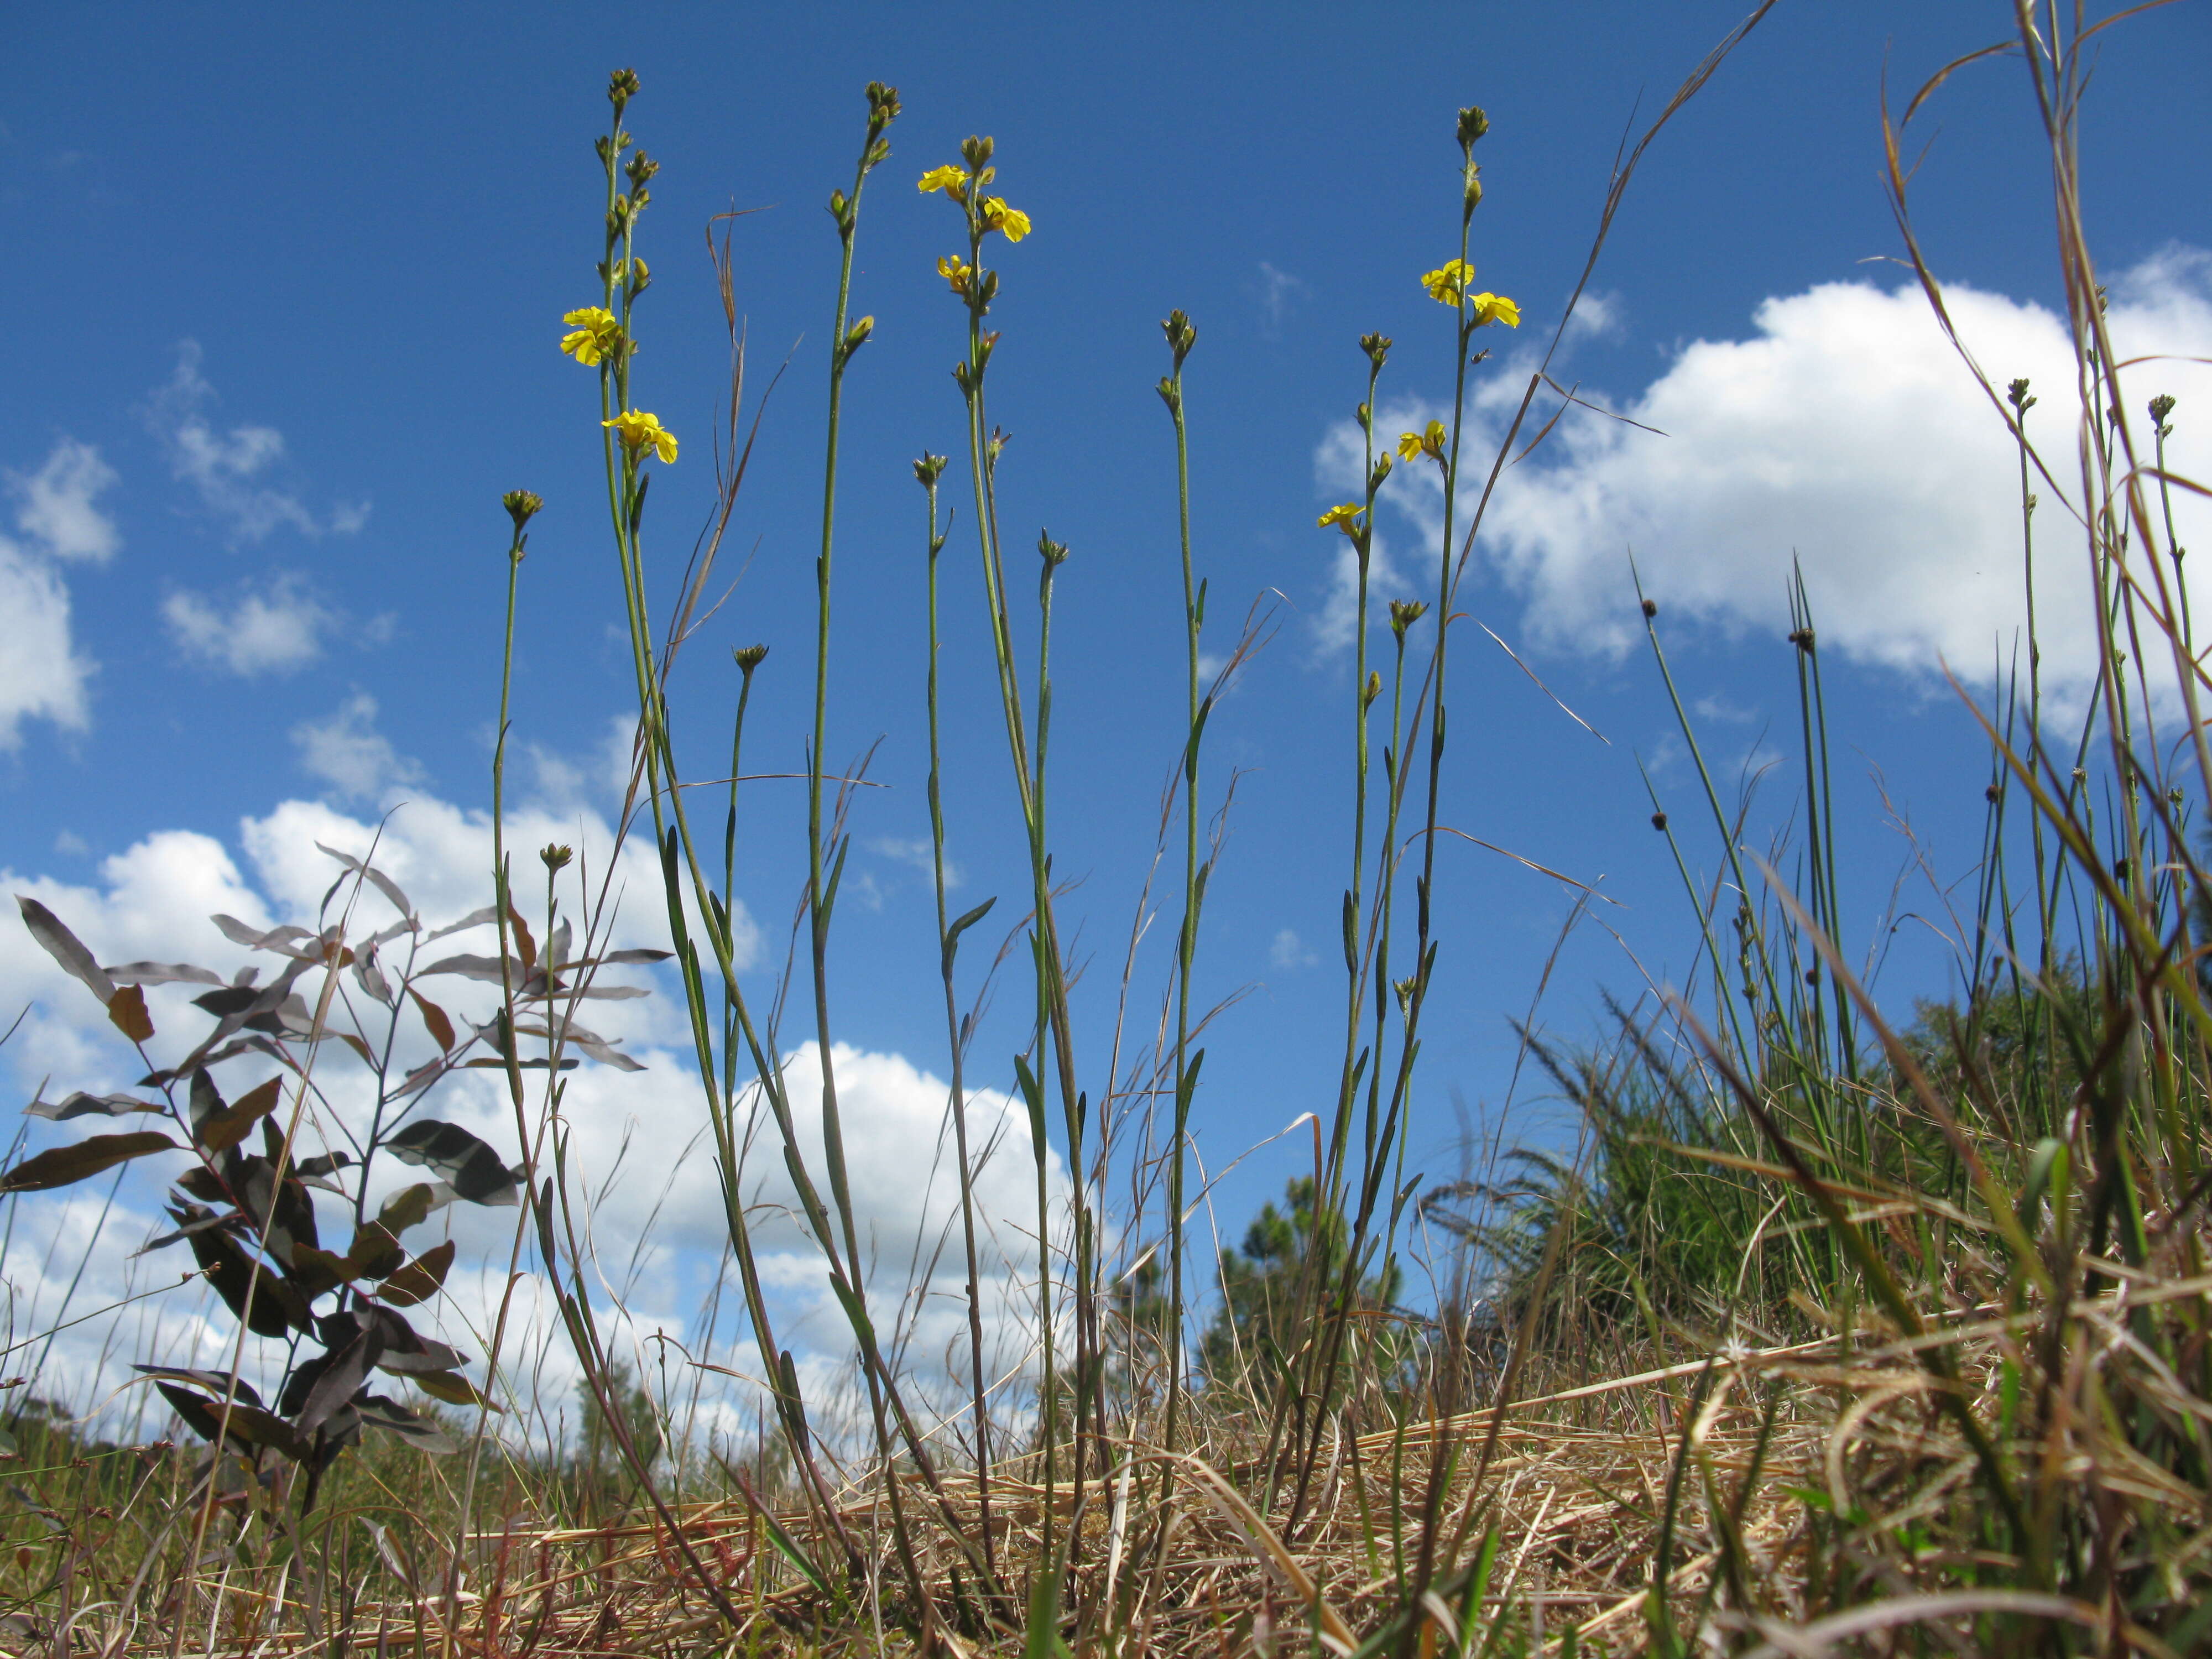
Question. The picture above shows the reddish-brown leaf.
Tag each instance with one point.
(64, 1165)
(222, 1130)
(434, 1020)
(420, 1280)
(126, 1012)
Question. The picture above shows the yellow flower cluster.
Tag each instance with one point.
(959, 272)
(639, 431)
(594, 334)
(1344, 518)
(1430, 443)
(1448, 282)
(1011, 222)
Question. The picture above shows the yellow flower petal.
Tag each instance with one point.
(1448, 282)
(1495, 309)
(957, 272)
(1013, 222)
(640, 430)
(1344, 518)
(1409, 445)
(594, 332)
(952, 180)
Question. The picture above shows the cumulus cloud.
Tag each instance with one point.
(346, 751)
(260, 633)
(649, 1199)
(1844, 432)
(42, 675)
(59, 504)
(1287, 950)
(232, 473)
(660, 1212)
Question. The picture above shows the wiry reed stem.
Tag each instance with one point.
(1180, 337)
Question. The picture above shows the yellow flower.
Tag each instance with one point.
(1494, 308)
(1429, 442)
(1344, 518)
(639, 431)
(1446, 283)
(997, 216)
(957, 272)
(950, 180)
(594, 333)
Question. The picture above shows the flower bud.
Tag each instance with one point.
(1404, 613)
(928, 470)
(622, 87)
(2160, 407)
(1377, 346)
(640, 168)
(749, 657)
(1371, 691)
(555, 857)
(883, 106)
(1180, 336)
(857, 335)
(522, 506)
(976, 152)
(2016, 395)
(1473, 124)
(1053, 553)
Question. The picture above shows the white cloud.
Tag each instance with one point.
(1288, 951)
(599, 776)
(1847, 433)
(274, 632)
(919, 853)
(59, 503)
(232, 471)
(1278, 293)
(1596, 317)
(346, 751)
(42, 675)
(655, 1219)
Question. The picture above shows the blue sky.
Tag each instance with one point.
(293, 277)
